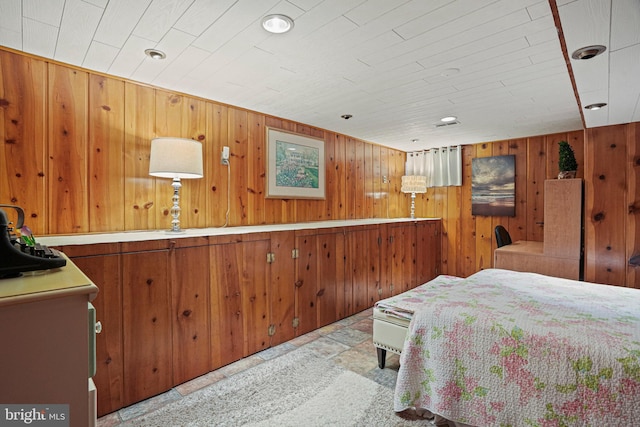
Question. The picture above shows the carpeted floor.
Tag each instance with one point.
(326, 377)
(300, 388)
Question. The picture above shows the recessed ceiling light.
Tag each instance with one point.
(596, 106)
(415, 140)
(346, 116)
(588, 52)
(155, 54)
(277, 24)
(448, 119)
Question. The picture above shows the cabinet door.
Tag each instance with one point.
(190, 312)
(428, 251)
(104, 272)
(147, 324)
(254, 290)
(330, 282)
(306, 282)
(282, 287)
(226, 304)
(240, 315)
(363, 266)
(402, 246)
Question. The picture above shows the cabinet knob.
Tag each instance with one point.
(98, 327)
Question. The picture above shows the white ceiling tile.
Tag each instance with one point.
(512, 82)
(625, 84)
(38, 38)
(373, 9)
(11, 39)
(159, 18)
(11, 15)
(539, 10)
(201, 14)
(76, 31)
(437, 14)
(240, 16)
(588, 25)
(172, 44)
(100, 3)
(189, 59)
(118, 21)
(306, 4)
(47, 12)
(100, 57)
(625, 14)
(130, 57)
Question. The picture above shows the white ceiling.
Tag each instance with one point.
(397, 66)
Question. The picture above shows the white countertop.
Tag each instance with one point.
(137, 236)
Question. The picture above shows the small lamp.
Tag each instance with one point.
(175, 158)
(413, 184)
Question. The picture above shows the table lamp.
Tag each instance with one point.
(413, 184)
(175, 158)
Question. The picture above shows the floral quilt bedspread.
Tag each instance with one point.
(405, 304)
(504, 348)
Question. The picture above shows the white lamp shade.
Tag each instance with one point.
(175, 158)
(414, 184)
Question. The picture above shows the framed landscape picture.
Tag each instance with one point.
(493, 186)
(295, 166)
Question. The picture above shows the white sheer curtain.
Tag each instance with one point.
(442, 166)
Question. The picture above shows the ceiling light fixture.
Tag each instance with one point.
(588, 52)
(414, 140)
(155, 54)
(277, 24)
(596, 106)
(448, 119)
(346, 116)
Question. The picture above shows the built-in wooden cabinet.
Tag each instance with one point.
(560, 254)
(147, 322)
(189, 267)
(102, 263)
(176, 308)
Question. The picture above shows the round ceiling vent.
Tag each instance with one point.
(588, 52)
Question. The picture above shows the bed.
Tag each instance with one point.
(505, 348)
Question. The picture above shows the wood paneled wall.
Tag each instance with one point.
(76, 151)
(76, 156)
(608, 161)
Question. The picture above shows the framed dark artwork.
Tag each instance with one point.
(295, 166)
(493, 186)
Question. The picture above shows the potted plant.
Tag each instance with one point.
(567, 161)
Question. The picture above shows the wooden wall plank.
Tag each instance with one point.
(67, 146)
(256, 169)
(140, 204)
(517, 225)
(360, 176)
(350, 178)
(484, 229)
(106, 154)
(369, 204)
(606, 210)
(384, 182)
(238, 143)
(468, 221)
(23, 172)
(633, 203)
(536, 174)
(215, 174)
